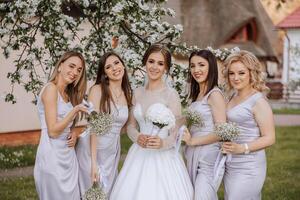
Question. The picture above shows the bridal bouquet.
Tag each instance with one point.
(96, 192)
(98, 123)
(160, 116)
(227, 131)
(193, 118)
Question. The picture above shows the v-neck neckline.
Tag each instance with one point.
(242, 102)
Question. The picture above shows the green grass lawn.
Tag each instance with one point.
(21, 156)
(282, 177)
(289, 111)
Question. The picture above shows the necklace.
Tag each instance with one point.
(116, 96)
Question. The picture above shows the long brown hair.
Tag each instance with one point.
(159, 48)
(212, 76)
(77, 89)
(106, 97)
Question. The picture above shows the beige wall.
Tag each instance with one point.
(23, 115)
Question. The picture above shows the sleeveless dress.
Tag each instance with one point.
(201, 159)
(149, 174)
(245, 174)
(56, 166)
(108, 153)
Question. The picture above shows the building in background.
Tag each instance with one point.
(291, 54)
(231, 23)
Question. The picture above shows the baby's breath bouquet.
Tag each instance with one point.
(96, 192)
(193, 118)
(160, 116)
(227, 131)
(98, 123)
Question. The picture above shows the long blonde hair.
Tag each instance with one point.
(253, 65)
(77, 89)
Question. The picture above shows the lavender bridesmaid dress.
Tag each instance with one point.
(56, 167)
(108, 153)
(245, 174)
(201, 159)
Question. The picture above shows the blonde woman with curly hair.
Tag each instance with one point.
(245, 173)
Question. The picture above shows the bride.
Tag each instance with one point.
(152, 169)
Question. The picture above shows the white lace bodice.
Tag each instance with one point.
(142, 100)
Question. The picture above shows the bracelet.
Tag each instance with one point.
(247, 150)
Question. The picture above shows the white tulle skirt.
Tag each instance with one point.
(149, 174)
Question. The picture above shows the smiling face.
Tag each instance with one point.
(113, 68)
(155, 66)
(199, 69)
(239, 75)
(71, 69)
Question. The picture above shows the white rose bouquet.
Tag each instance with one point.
(160, 116)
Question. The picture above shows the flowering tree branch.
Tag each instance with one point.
(39, 31)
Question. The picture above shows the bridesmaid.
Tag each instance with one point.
(246, 172)
(100, 154)
(203, 146)
(56, 167)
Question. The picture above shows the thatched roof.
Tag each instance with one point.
(214, 22)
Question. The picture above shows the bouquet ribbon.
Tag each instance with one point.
(219, 164)
(103, 178)
(179, 138)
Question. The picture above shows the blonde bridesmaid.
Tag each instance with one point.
(245, 173)
(59, 103)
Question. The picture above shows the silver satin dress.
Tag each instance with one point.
(56, 166)
(201, 159)
(245, 174)
(108, 153)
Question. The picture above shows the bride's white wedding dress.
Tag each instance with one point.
(153, 174)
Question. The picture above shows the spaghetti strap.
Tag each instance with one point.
(43, 88)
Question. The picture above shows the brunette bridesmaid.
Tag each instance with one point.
(99, 156)
(203, 147)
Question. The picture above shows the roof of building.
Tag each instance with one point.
(291, 21)
(214, 22)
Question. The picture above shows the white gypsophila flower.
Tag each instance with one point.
(228, 131)
(193, 118)
(96, 192)
(100, 123)
(160, 116)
